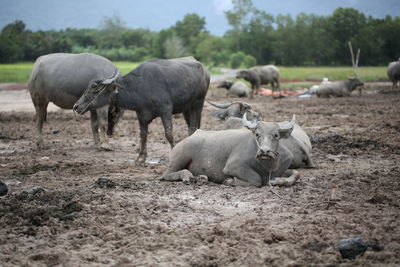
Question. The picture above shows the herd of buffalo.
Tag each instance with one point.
(246, 151)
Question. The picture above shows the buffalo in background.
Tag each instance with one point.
(393, 72)
(259, 75)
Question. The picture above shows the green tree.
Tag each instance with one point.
(137, 38)
(159, 42)
(191, 27)
(213, 50)
(389, 31)
(238, 18)
(258, 37)
(174, 47)
(110, 35)
(81, 37)
(241, 60)
(37, 46)
(9, 50)
(346, 24)
(12, 40)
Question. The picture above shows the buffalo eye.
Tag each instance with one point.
(276, 135)
(257, 135)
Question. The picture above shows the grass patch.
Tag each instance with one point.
(125, 66)
(15, 73)
(19, 72)
(332, 73)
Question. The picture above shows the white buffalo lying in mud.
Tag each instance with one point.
(237, 88)
(250, 156)
(300, 143)
(339, 88)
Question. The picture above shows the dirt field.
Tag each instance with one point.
(353, 192)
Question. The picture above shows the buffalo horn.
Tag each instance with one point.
(110, 80)
(249, 124)
(226, 105)
(246, 105)
(288, 125)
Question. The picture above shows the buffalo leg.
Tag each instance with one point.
(102, 121)
(41, 114)
(167, 123)
(277, 86)
(243, 176)
(254, 90)
(94, 124)
(193, 119)
(198, 117)
(288, 178)
(144, 127)
(186, 115)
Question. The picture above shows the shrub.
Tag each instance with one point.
(236, 59)
(241, 60)
(249, 61)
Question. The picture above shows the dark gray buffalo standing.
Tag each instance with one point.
(393, 72)
(61, 79)
(339, 88)
(251, 157)
(156, 88)
(261, 75)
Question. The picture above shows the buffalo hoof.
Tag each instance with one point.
(183, 175)
(201, 179)
(288, 179)
(141, 159)
(229, 182)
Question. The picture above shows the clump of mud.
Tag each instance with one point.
(35, 209)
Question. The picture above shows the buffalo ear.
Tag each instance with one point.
(285, 133)
(286, 128)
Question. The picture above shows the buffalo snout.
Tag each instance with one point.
(266, 154)
(78, 108)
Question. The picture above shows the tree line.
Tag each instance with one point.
(254, 37)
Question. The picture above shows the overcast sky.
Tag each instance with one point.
(161, 14)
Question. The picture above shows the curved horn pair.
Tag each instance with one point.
(110, 80)
(282, 125)
(226, 105)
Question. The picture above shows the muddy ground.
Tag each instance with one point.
(141, 221)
